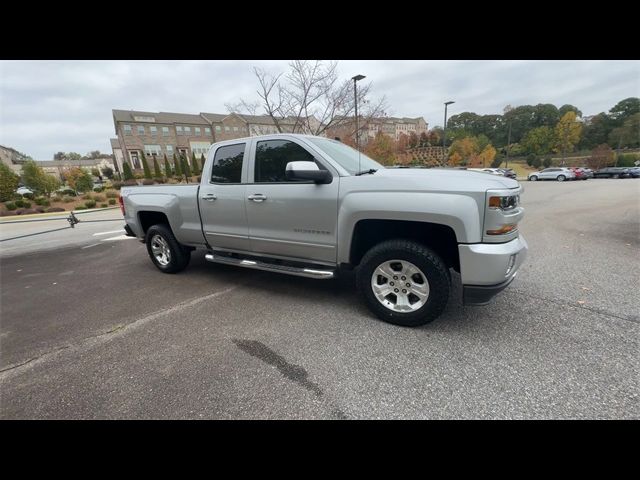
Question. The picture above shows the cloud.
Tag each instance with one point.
(48, 106)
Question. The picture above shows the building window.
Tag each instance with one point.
(127, 129)
(218, 128)
(179, 130)
(200, 148)
(169, 150)
(165, 131)
(153, 130)
(152, 150)
(227, 164)
(207, 131)
(235, 129)
(140, 129)
(197, 131)
(187, 130)
(227, 129)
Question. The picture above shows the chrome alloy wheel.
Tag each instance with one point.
(400, 286)
(160, 249)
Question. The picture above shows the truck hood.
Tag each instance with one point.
(443, 179)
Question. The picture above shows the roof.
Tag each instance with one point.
(258, 119)
(160, 117)
(86, 162)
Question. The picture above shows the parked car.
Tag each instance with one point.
(508, 172)
(579, 172)
(554, 173)
(24, 191)
(588, 172)
(311, 207)
(612, 172)
(493, 171)
(634, 172)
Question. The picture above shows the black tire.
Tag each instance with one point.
(615, 176)
(533, 178)
(561, 178)
(433, 268)
(179, 254)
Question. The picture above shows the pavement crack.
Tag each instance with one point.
(33, 359)
(605, 313)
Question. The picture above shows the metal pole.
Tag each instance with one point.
(355, 97)
(508, 145)
(444, 134)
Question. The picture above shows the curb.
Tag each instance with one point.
(31, 216)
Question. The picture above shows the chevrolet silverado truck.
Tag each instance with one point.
(311, 206)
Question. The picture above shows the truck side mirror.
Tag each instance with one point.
(307, 171)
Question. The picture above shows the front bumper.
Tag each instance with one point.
(488, 268)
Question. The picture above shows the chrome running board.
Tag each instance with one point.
(258, 265)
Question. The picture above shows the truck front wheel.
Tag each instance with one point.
(404, 282)
(165, 251)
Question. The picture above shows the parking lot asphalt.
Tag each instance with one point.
(99, 333)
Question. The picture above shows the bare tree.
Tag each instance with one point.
(311, 99)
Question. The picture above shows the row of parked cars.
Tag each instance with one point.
(503, 172)
(561, 174)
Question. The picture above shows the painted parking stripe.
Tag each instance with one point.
(113, 239)
(108, 233)
(89, 246)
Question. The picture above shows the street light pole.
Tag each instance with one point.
(355, 98)
(444, 130)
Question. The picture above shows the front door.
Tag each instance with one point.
(290, 218)
(222, 199)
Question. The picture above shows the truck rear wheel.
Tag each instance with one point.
(165, 251)
(404, 282)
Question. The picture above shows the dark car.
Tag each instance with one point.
(508, 172)
(634, 172)
(612, 172)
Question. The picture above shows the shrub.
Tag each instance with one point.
(148, 181)
(25, 204)
(98, 189)
(159, 180)
(88, 196)
(7, 213)
(25, 211)
(10, 205)
(90, 203)
(99, 198)
(537, 162)
(56, 198)
(111, 194)
(116, 185)
(38, 200)
(130, 183)
(39, 209)
(55, 209)
(531, 158)
(67, 199)
(9, 181)
(81, 207)
(19, 203)
(112, 201)
(67, 191)
(547, 162)
(103, 205)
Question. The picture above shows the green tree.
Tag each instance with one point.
(531, 158)
(627, 135)
(79, 179)
(9, 181)
(107, 172)
(167, 167)
(537, 162)
(37, 180)
(381, 149)
(194, 164)
(176, 166)
(567, 133)
(596, 131)
(126, 171)
(624, 109)
(546, 162)
(72, 156)
(569, 108)
(156, 168)
(186, 171)
(538, 141)
(145, 167)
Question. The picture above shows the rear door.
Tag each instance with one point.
(295, 219)
(222, 197)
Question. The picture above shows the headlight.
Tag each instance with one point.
(504, 203)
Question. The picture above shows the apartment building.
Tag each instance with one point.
(395, 126)
(12, 158)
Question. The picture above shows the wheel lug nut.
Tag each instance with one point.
(404, 278)
(395, 277)
(391, 283)
(395, 290)
(404, 291)
(408, 284)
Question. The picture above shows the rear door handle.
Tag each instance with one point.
(209, 197)
(257, 197)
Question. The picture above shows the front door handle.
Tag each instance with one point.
(257, 197)
(209, 197)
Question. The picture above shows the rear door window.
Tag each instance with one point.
(227, 164)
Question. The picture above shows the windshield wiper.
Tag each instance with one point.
(364, 172)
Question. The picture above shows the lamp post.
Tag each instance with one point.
(355, 98)
(444, 130)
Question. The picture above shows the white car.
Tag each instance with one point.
(492, 171)
(23, 191)
(559, 174)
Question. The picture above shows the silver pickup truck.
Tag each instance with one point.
(311, 206)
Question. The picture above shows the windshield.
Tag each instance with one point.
(346, 156)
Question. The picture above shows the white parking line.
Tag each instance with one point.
(89, 246)
(113, 239)
(107, 233)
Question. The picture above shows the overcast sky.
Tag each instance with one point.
(50, 106)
